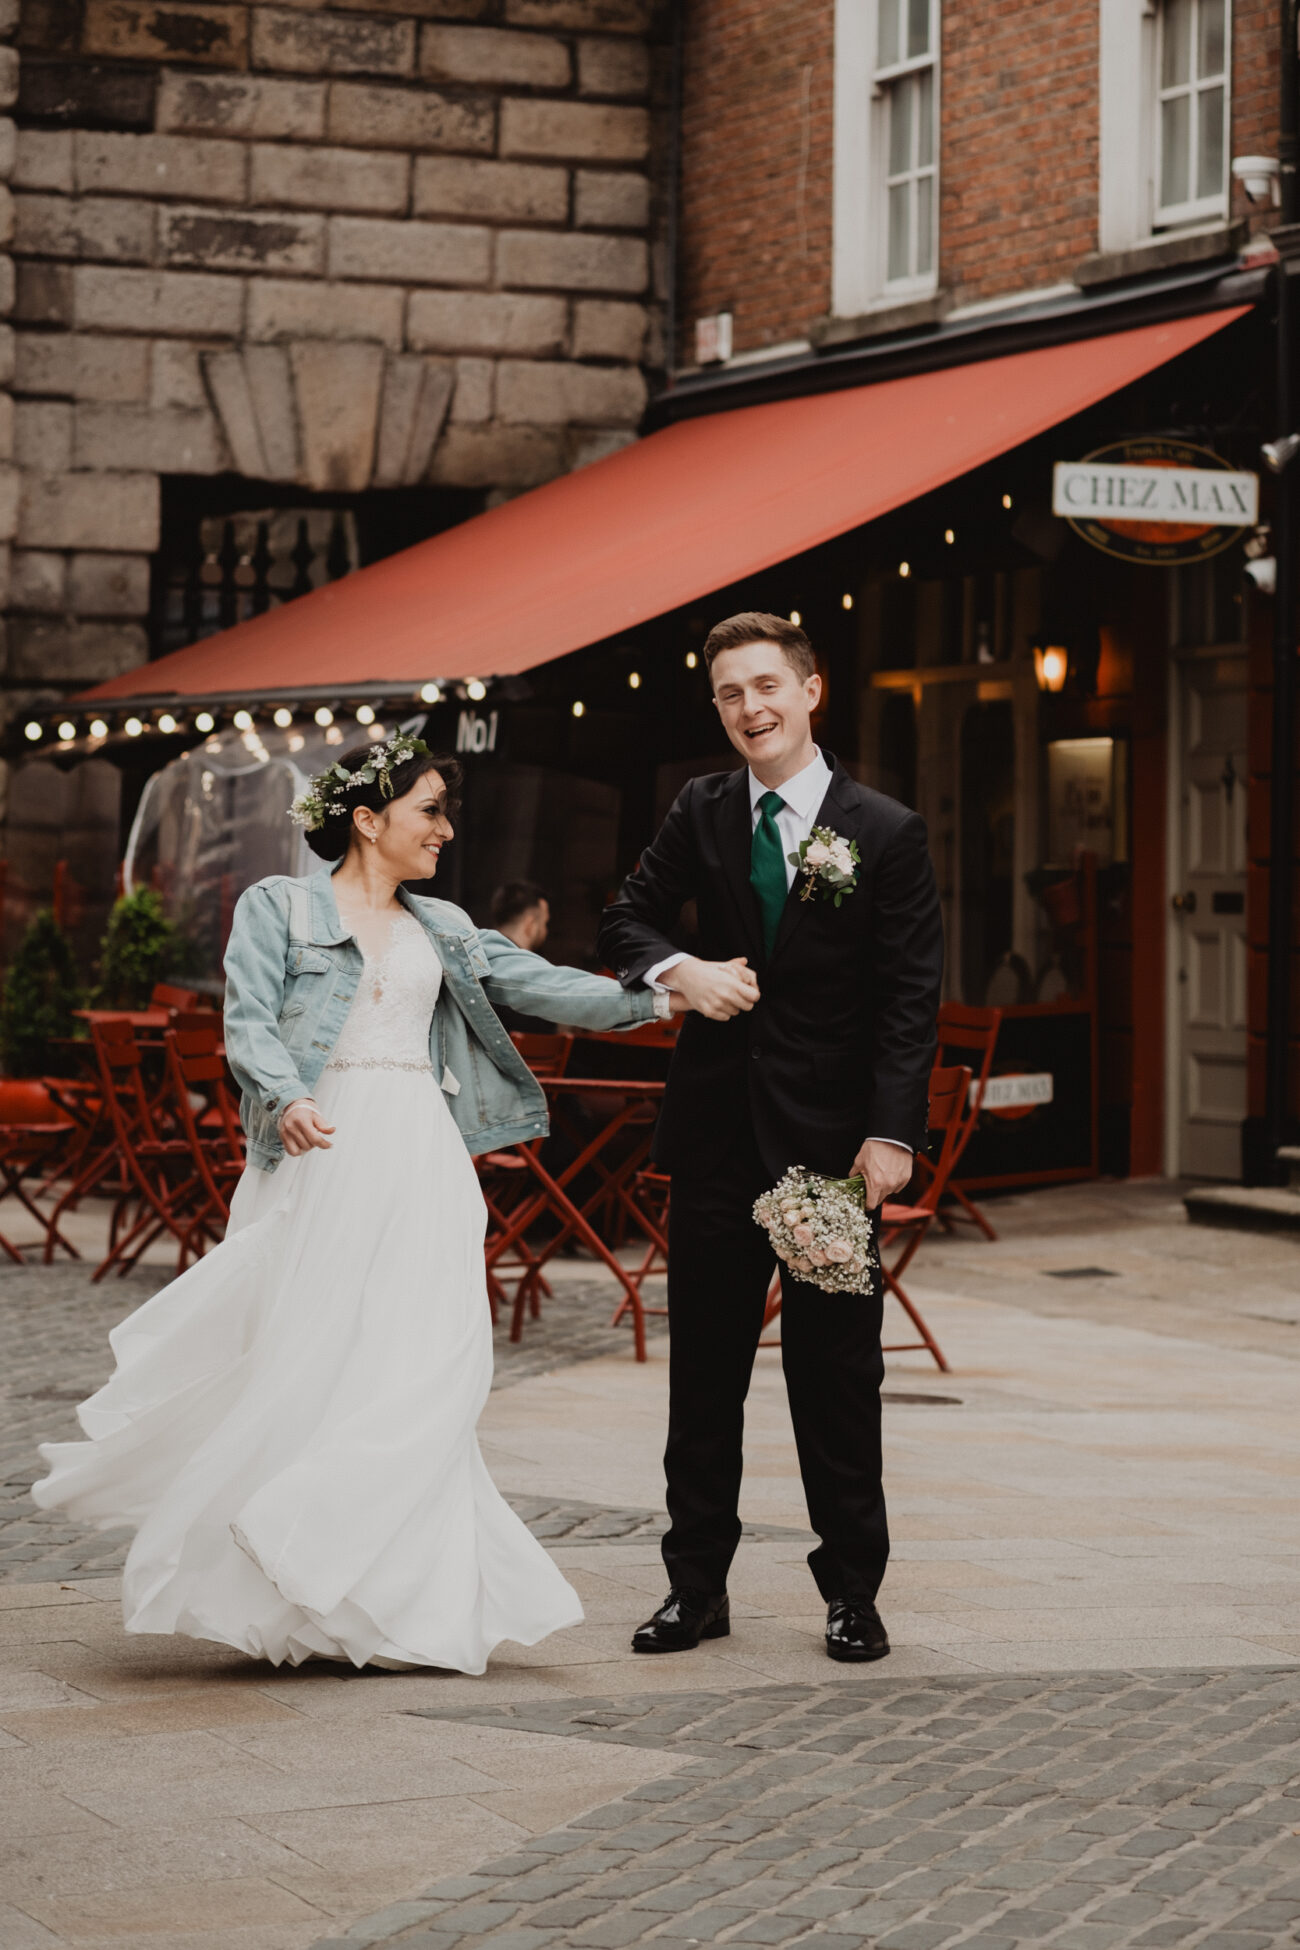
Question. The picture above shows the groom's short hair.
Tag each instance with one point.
(754, 626)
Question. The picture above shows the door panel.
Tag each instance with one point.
(1210, 886)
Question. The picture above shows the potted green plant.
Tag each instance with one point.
(41, 991)
(141, 946)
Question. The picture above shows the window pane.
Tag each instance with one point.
(900, 198)
(1175, 42)
(925, 117)
(1210, 38)
(1175, 125)
(918, 28)
(887, 34)
(924, 225)
(900, 127)
(1209, 158)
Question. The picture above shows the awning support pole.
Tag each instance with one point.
(1286, 540)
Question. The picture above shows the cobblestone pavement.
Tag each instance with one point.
(54, 1328)
(1122, 1808)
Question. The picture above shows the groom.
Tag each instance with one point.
(811, 1043)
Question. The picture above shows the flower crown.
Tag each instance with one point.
(324, 795)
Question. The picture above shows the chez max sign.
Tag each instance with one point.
(1083, 488)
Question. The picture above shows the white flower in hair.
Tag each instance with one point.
(324, 795)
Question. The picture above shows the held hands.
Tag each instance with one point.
(883, 1168)
(302, 1128)
(718, 989)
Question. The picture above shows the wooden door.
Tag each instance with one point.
(1209, 899)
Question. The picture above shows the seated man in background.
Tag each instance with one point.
(522, 912)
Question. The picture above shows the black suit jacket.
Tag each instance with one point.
(840, 1046)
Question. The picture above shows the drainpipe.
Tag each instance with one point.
(672, 215)
(1277, 1121)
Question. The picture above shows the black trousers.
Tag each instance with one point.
(719, 1269)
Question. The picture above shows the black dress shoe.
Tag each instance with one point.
(683, 1619)
(854, 1630)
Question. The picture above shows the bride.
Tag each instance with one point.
(291, 1426)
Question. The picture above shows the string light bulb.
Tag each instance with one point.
(324, 716)
(167, 722)
(949, 536)
(98, 729)
(634, 680)
(32, 731)
(133, 727)
(904, 569)
(67, 730)
(243, 721)
(795, 618)
(476, 689)
(205, 722)
(430, 694)
(579, 708)
(1006, 500)
(846, 601)
(365, 714)
(691, 660)
(283, 717)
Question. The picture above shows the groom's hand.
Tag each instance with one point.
(718, 989)
(883, 1168)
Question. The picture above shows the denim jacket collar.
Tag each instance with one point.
(329, 930)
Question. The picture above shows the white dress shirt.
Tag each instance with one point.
(801, 799)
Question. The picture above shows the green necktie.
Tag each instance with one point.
(767, 867)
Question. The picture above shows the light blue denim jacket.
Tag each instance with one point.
(292, 971)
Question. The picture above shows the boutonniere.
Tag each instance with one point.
(829, 864)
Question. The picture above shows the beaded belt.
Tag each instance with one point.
(379, 1063)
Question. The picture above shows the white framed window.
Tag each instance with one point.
(904, 87)
(886, 188)
(1192, 110)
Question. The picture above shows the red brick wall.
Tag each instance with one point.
(756, 167)
(1018, 155)
(1019, 95)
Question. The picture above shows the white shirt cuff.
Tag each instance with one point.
(897, 1144)
(651, 976)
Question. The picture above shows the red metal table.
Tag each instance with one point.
(624, 1103)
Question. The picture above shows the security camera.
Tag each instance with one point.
(1263, 573)
(1258, 176)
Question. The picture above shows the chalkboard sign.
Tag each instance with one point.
(1038, 1121)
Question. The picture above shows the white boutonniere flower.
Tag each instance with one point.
(829, 864)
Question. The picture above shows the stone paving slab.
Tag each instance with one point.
(1149, 1809)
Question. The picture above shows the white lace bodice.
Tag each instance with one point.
(388, 1025)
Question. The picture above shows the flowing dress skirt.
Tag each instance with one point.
(291, 1426)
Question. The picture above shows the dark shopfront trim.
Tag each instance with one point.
(1054, 321)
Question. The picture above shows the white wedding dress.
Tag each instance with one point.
(291, 1426)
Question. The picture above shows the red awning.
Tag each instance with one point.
(694, 507)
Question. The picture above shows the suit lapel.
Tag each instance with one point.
(795, 906)
(734, 823)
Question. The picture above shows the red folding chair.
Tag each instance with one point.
(205, 1113)
(966, 1029)
(165, 996)
(35, 1136)
(164, 1183)
(910, 1223)
(505, 1181)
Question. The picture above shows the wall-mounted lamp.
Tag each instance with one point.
(1277, 454)
(1051, 666)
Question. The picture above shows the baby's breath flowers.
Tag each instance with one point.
(819, 1229)
(324, 795)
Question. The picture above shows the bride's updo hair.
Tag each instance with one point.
(331, 839)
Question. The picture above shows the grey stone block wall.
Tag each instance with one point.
(225, 218)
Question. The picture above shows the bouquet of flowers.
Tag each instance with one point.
(819, 1228)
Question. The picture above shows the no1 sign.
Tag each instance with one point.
(475, 733)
